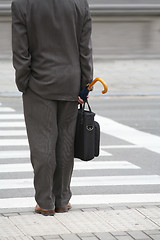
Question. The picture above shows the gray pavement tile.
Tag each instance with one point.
(10, 214)
(152, 232)
(104, 209)
(84, 222)
(69, 237)
(150, 206)
(8, 229)
(56, 238)
(138, 235)
(118, 233)
(120, 207)
(38, 225)
(49, 237)
(16, 238)
(38, 238)
(124, 238)
(24, 238)
(89, 209)
(134, 206)
(11, 238)
(127, 220)
(105, 236)
(76, 210)
(151, 213)
(89, 238)
(53, 238)
(85, 235)
(148, 238)
(26, 213)
(155, 237)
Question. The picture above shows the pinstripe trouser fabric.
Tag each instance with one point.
(50, 128)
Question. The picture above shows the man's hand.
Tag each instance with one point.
(80, 100)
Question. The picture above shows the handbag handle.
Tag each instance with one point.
(83, 107)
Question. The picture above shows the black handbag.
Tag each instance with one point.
(87, 136)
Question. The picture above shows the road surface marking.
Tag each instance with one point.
(104, 153)
(25, 154)
(14, 142)
(14, 154)
(11, 116)
(6, 109)
(108, 126)
(104, 165)
(12, 124)
(129, 134)
(24, 142)
(92, 165)
(4, 133)
(89, 181)
(29, 202)
(115, 198)
(119, 146)
(115, 180)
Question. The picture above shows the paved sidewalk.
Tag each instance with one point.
(111, 223)
(124, 77)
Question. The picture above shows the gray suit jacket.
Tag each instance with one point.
(51, 42)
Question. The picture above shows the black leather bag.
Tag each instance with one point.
(87, 137)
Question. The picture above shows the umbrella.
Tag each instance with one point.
(84, 93)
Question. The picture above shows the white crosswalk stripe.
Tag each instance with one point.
(119, 146)
(27, 167)
(10, 133)
(24, 142)
(13, 142)
(6, 109)
(82, 200)
(14, 154)
(12, 124)
(25, 154)
(11, 116)
(139, 138)
(10, 140)
(115, 198)
(89, 181)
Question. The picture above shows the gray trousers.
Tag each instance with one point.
(51, 129)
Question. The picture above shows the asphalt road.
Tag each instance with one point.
(142, 113)
(143, 171)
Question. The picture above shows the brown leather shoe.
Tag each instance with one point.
(63, 209)
(45, 212)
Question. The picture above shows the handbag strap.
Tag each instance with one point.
(82, 106)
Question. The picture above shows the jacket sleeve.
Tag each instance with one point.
(20, 48)
(86, 60)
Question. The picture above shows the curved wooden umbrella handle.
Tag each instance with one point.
(100, 80)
